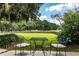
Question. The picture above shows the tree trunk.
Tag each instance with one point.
(7, 10)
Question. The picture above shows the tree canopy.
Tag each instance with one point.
(19, 11)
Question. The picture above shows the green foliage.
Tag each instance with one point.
(15, 12)
(45, 25)
(70, 27)
(7, 40)
(29, 25)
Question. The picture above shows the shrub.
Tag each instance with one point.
(7, 40)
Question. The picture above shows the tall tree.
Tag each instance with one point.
(70, 27)
(19, 11)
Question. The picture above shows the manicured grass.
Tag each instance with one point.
(49, 36)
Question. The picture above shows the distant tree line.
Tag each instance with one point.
(29, 25)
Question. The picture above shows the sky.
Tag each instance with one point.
(48, 9)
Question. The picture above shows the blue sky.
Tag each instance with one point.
(48, 9)
(43, 9)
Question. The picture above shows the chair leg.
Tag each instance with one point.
(30, 47)
(50, 50)
(65, 51)
(15, 51)
(22, 50)
(59, 52)
(56, 51)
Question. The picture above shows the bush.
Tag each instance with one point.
(7, 40)
(70, 27)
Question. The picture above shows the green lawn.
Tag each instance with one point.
(28, 36)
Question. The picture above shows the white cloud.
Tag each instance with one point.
(46, 9)
(52, 8)
(56, 21)
(61, 7)
(43, 17)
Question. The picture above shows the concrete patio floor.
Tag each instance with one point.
(38, 53)
(3, 50)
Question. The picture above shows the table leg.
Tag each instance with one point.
(42, 47)
(34, 48)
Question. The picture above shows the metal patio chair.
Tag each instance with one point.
(59, 45)
(21, 45)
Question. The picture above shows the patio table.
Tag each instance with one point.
(41, 45)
